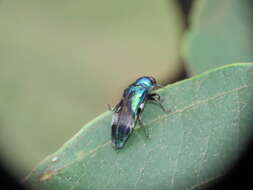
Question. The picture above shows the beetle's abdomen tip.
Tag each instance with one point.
(117, 145)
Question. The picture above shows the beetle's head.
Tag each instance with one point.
(148, 82)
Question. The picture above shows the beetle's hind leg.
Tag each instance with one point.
(115, 108)
(142, 125)
(156, 98)
(140, 110)
(110, 107)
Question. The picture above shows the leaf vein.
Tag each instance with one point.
(197, 103)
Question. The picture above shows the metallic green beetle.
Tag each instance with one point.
(130, 107)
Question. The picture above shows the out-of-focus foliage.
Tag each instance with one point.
(221, 32)
(62, 61)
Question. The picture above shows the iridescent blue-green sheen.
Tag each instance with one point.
(138, 95)
(138, 92)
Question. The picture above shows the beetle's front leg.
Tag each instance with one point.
(156, 98)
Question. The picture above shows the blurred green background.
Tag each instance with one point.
(63, 61)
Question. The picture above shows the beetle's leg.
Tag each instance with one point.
(157, 99)
(142, 125)
(159, 85)
(115, 108)
(140, 110)
(154, 97)
(110, 107)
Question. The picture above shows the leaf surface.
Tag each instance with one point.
(207, 129)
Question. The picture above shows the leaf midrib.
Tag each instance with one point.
(160, 118)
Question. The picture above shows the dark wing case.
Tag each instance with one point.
(122, 122)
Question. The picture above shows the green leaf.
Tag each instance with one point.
(209, 124)
(220, 33)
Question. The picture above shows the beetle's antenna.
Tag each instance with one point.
(159, 85)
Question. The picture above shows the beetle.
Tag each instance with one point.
(128, 111)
